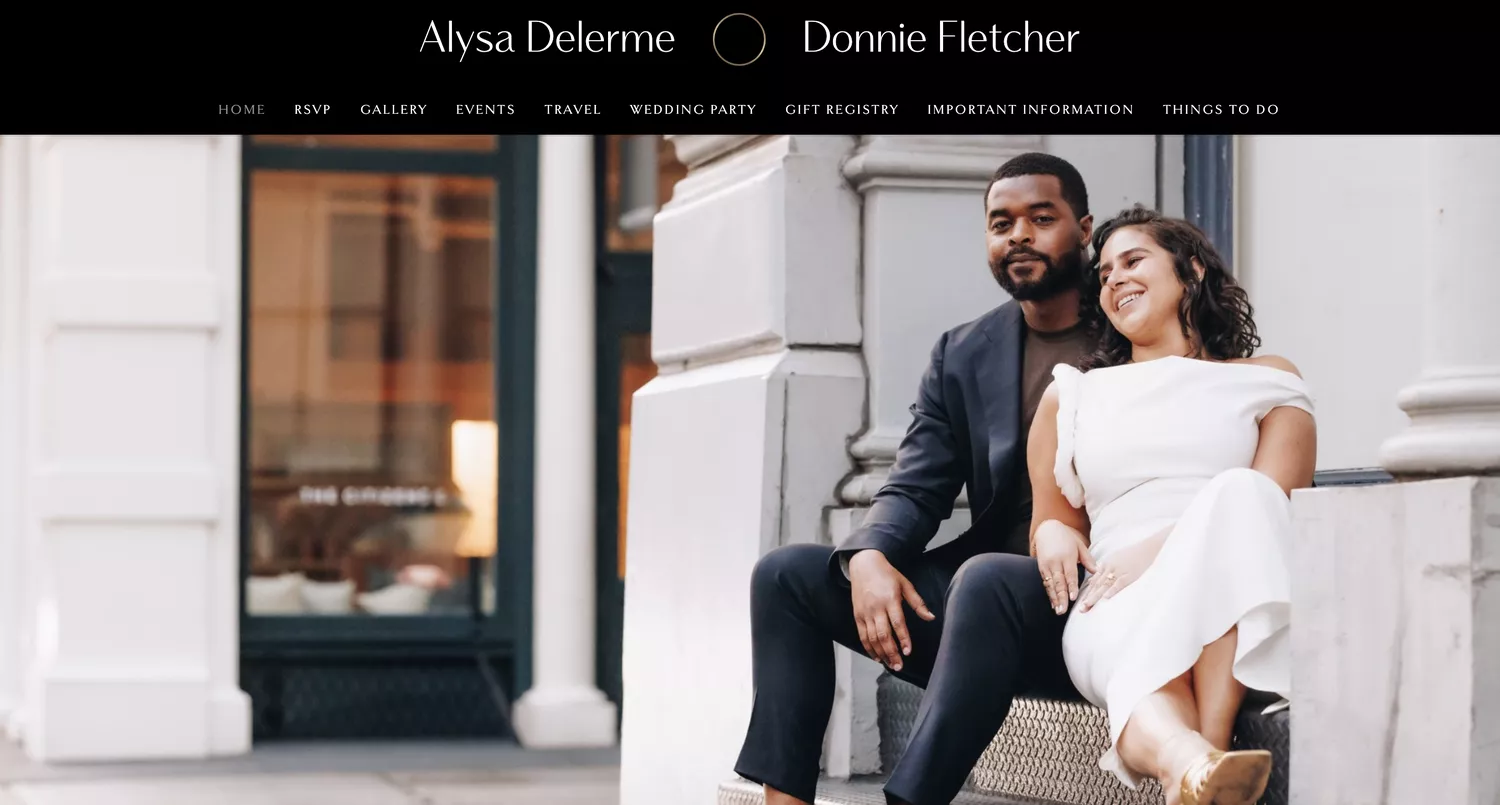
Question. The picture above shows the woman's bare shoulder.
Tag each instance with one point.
(1271, 362)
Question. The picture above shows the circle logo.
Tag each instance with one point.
(739, 39)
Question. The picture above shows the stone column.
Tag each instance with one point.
(1396, 669)
(1455, 405)
(739, 443)
(564, 707)
(127, 253)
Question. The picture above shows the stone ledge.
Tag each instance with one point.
(694, 150)
(933, 162)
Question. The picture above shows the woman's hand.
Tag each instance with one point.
(1060, 549)
(1123, 567)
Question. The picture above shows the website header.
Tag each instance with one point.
(730, 71)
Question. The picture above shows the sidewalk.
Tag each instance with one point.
(417, 773)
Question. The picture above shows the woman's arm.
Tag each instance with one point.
(1059, 532)
(1288, 450)
(1047, 499)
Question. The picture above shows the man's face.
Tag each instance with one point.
(1036, 246)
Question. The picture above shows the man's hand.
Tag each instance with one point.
(1060, 549)
(878, 591)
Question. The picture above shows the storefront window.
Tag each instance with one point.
(372, 436)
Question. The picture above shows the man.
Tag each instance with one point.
(969, 621)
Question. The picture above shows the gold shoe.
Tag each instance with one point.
(1227, 778)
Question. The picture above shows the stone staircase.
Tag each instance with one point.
(1047, 753)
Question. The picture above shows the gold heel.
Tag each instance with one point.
(1227, 778)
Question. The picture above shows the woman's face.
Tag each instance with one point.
(1139, 289)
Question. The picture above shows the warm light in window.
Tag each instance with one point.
(476, 472)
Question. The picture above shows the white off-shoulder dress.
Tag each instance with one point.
(1169, 443)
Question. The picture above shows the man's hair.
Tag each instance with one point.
(1038, 164)
(1215, 313)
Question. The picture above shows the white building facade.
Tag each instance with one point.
(157, 487)
(800, 282)
(316, 437)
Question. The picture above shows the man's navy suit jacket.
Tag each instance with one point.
(965, 430)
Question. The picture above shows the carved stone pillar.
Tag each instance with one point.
(739, 443)
(1455, 405)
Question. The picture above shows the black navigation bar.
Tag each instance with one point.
(897, 114)
(747, 70)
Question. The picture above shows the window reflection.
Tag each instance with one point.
(373, 449)
(630, 187)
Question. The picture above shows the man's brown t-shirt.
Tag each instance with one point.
(1041, 352)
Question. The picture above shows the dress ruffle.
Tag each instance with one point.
(1067, 379)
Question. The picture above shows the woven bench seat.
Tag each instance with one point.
(855, 792)
(1047, 751)
(1050, 750)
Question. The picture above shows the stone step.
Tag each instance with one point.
(1049, 750)
(856, 792)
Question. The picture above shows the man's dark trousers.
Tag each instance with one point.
(995, 636)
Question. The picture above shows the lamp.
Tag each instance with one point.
(476, 463)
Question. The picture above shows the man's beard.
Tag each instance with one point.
(1057, 277)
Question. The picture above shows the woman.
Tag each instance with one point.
(1164, 468)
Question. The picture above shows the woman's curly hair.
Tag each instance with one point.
(1215, 313)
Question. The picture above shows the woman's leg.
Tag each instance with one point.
(1174, 730)
(1218, 694)
(1161, 738)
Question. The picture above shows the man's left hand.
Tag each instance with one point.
(1123, 568)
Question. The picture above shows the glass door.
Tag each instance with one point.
(385, 315)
